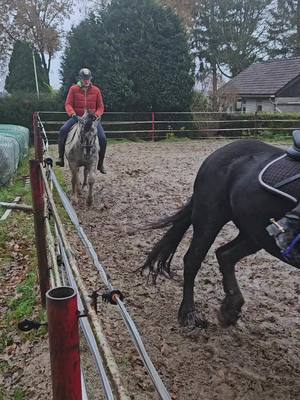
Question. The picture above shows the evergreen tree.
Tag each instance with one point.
(284, 29)
(21, 70)
(138, 53)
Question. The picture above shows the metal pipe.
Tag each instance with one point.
(87, 329)
(35, 75)
(51, 247)
(62, 314)
(98, 330)
(15, 206)
(153, 126)
(37, 190)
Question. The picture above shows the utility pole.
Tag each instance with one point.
(35, 75)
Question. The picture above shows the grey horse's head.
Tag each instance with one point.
(88, 134)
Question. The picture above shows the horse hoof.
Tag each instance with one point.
(227, 318)
(192, 320)
(230, 310)
(74, 199)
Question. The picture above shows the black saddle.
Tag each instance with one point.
(282, 175)
(294, 151)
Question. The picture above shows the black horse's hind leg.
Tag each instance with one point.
(228, 255)
(205, 232)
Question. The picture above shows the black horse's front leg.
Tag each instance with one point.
(187, 314)
(227, 256)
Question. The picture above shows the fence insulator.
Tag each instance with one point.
(37, 138)
(63, 331)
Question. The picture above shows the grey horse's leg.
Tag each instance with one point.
(85, 175)
(228, 255)
(75, 182)
(91, 181)
(205, 232)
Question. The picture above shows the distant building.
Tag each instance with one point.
(271, 86)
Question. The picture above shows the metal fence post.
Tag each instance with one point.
(38, 202)
(37, 139)
(62, 313)
(153, 126)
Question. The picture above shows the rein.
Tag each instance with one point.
(286, 253)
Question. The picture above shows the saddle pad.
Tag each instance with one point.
(282, 176)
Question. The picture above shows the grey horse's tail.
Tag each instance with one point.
(160, 257)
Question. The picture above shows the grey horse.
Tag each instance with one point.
(82, 150)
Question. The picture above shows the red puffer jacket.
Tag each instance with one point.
(79, 100)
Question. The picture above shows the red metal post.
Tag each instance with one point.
(63, 331)
(153, 126)
(38, 202)
(37, 138)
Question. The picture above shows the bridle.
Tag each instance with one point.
(87, 138)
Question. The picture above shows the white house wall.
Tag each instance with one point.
(288, 104)
(284, 104)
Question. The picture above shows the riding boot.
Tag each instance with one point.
(61, 152)
(100, 166)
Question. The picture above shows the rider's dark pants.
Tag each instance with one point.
(65, 129)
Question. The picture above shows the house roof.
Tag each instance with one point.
(266, 78)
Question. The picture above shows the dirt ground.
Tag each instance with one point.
(258, 358)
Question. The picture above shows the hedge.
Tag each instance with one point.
(247, 123)
(18, 108)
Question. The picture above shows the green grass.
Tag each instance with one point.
(19, 394)
(23, 304)
(23, 300)
(16, 187)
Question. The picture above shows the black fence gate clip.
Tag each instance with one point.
(110, 297)
(59, 260)
(48, 161)
(27, 325)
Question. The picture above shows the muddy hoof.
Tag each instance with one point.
(192, 320)
(228, 317)
(89, 201)
(74, 199)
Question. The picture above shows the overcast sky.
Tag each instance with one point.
(77, 16)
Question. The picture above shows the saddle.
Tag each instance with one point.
(282, 175)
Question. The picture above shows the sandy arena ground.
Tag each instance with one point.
(257, 359)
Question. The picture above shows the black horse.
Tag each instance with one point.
(227, 188)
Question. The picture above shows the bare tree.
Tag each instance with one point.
(184, 8)
(39, 22)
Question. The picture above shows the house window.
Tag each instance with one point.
(244, 109)
(238, 105)
(259, 107)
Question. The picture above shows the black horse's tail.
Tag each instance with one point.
(160, 257)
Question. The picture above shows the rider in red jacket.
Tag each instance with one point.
(81, 97)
